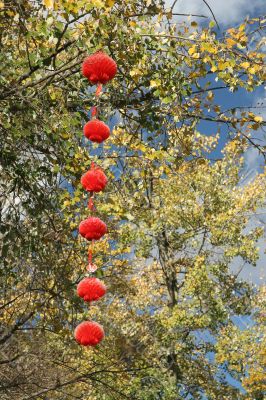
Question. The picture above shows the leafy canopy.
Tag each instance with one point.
(176, 206)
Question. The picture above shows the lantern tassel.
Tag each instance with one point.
(91, 267)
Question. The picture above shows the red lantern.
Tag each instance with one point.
(91, 289)
(94, 180)
(99, 68)
(89, 333)
(92, 228)
(96, 131)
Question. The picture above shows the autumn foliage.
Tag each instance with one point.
(184, 205)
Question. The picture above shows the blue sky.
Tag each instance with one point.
(229, 13)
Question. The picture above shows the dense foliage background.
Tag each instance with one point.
(176, 206)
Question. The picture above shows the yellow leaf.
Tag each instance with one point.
(155, 83)
(222, 65)
(255, 68)
(255, 127)
(245, 65)
(230, 42)
(204, 36)
(207, 59)
(135, 72)
(110, 3)
(210, 96)
(258, 119)
(209, 47)
(217, 109)
(65, 135)
(252, 70)
(48, 3)
(192, 50)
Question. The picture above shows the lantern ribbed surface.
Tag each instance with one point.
(91, 289)
(94, 180)
(99, 68)
(92, 228)
(89, 333)
(96, 131)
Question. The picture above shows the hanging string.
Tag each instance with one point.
(90, 252)
(99, 89)
(94, 111)
(91, 203)
(91, 267)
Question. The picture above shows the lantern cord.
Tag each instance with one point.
(91, 204)
(94, 111)
(90, 252)
(99, 89)
(90, 256)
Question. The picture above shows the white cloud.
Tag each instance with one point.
(225, 11)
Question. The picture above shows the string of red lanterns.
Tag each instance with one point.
(99, 68)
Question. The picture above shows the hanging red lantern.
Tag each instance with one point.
(96, 131)
(89, 333)
(99, 68)
(94, 180)
(91, 289)
(92, 228)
